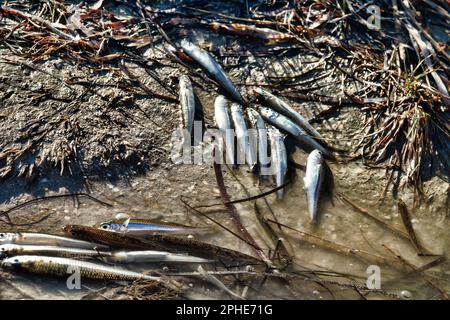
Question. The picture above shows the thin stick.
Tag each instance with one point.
(26, 203)
(414, 268)
(404, 213)
(235, 216)
(214, 221)
(251, 198)
(372, 217)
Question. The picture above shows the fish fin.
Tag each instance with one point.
(126, 222)
(122, 215)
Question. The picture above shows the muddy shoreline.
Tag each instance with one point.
(71, 126)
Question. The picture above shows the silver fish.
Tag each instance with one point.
(207, 62)
(279, 158)
(285, 109)
(154, 256)
(143, 227)
(187, 102)
(223, 121)
(15, 249)
(285, 124)
(246, 145)
(313, 182)
(46, 239)
(259, 124)
(61, 267)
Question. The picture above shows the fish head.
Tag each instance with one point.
(267, 113)
(274, 133)
(8, 250)
(13, 262)
(111, 226)
(6, 238)
(5, 248)
(315, 157)
(186, 44)
(252, 114)
(236, 107)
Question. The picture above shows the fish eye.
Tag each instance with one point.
(105, 227)
(2, 235)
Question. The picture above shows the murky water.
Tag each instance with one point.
(345, 242)
(340, 248)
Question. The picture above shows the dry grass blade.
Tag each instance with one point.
(340, 248)
(430, 282)
(404, 213)
(216, 282)
(372, 217)
(235, 216)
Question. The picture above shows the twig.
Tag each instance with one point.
(235, 216)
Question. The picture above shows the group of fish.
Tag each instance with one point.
(96, 251)
(273, 120)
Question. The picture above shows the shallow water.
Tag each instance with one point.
(344, 243)
(157, 196)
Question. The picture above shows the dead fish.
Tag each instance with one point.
(154, 256)
(285, 124)
(187, 102)
(207, 62)
(285, 109)
(313, 182)
(223, 122)
(246, 145)
(279, 158)
(63, 267)
(46, 239)
(142, 227)
(113, 239)
(158, 242)
(14, 250)
(259, 124)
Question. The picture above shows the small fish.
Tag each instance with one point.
(285, 109)
(14, 250)
(259, 124)
(246, 148)
(279, 158)
(113, 239)
(154, 256)
(62, 267)
(313, 182)
(187, 102)
(223, 122)
(159, 242)
(285, 124)
(142, 227)
(207, 62)
(47, 240)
